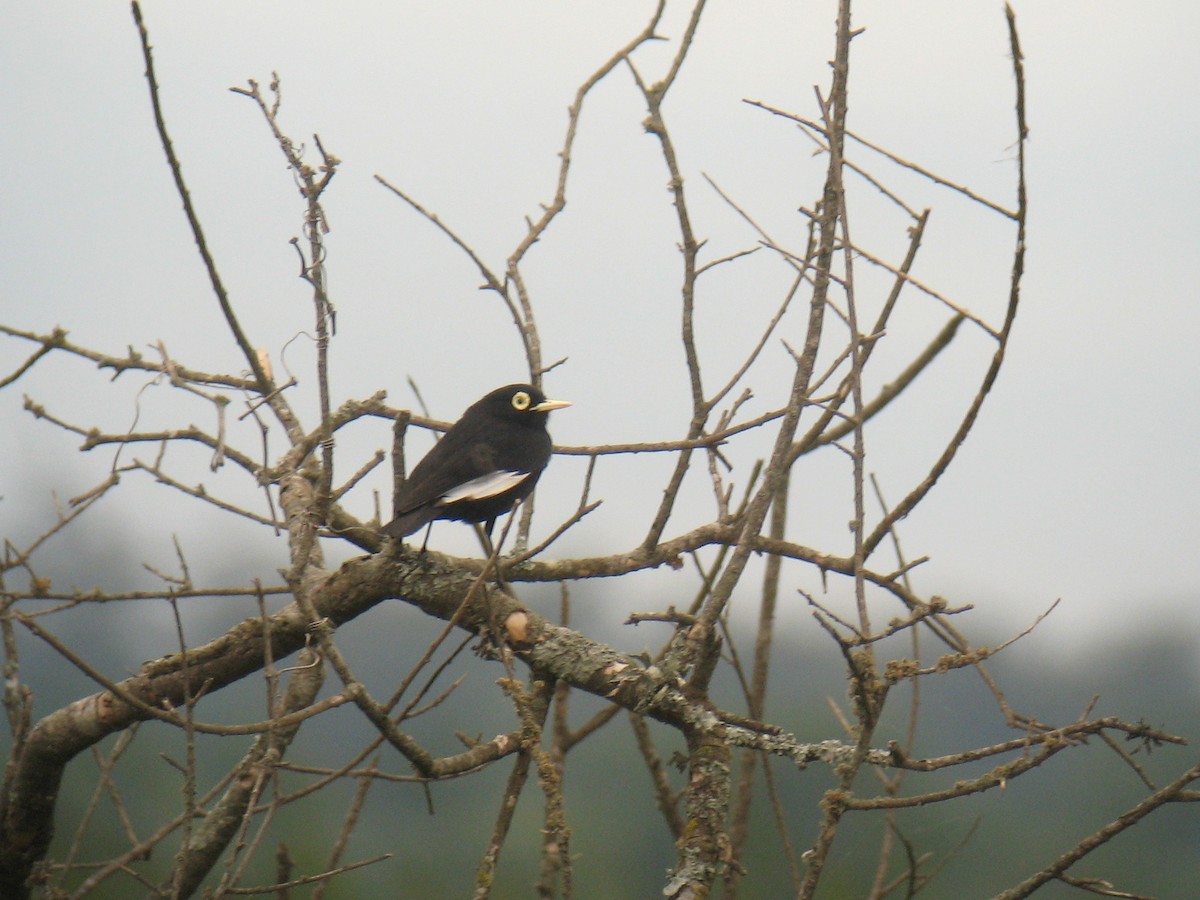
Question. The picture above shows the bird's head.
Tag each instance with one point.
(520, 403)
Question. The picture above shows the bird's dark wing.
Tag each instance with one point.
(451, 462)
(460, 467)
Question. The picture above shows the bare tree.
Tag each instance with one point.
(836, 386)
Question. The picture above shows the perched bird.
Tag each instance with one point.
(489, 460)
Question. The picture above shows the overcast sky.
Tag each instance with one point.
(1080, 480)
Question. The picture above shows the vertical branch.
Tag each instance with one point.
(756, 701)
(18, 698)
(700, 854)
(703, 848)
(312, 182)
(265, 384)
(522, 309)
(689, 247)
(892, 783)
(556, 862)
(1018, 267)
(485, 873)
(304, 495)
(315, 227)
(191, 697)
(1014, 295)
(532, 708)
(664, 797)
(105, 766)
(773, 475)
(831, 204)
(348, 825)
(225, 819)
(857, 360)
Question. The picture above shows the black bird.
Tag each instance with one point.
(488, 460)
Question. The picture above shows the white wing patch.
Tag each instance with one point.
(484, 486)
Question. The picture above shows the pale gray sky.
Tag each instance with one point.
(1080, 480)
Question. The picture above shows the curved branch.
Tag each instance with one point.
(263, 381)
(905, 506)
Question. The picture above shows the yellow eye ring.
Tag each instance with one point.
(521, 401)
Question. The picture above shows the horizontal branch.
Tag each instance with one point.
(93, 438)
(57, 340)
(97, 596)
